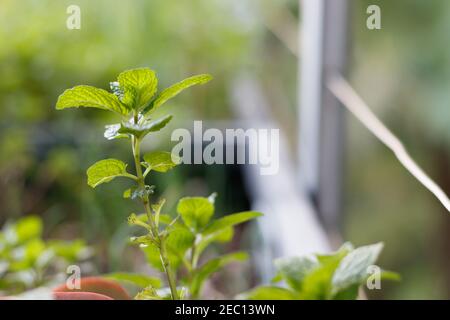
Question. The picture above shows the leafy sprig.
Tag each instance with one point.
(169, 244)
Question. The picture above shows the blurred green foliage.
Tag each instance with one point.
(335, 276)
(27, 261)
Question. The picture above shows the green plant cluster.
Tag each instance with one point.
(27, 261)
(168, 243)
(335, 276)
(186, 238)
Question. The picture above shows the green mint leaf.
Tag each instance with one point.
(161, 161)
(139, 280)
(179, 240)
(351, 293)
(223, 235)
(270, 293)
(90, 97)
(221, 230)
(211, 267)
(195, 211)
(352, 270)
(294, 269)
(156, 125)
(175, 89)
(166, 219)
(137, 87)
(316, 285)
(230, 221)
(106, 170)
(127, 129)
(153, 257)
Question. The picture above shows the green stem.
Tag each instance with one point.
(155, 232)
(193, 253)
(193, 266)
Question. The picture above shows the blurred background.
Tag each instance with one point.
(402, 71)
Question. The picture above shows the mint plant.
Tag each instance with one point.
(170, 244)
(335, 276)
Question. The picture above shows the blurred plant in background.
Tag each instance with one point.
(27, 261)
(335, 276)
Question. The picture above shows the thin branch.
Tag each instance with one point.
(354, 103)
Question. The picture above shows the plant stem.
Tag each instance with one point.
(155, 232)
(193, 266)
(193, 253)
